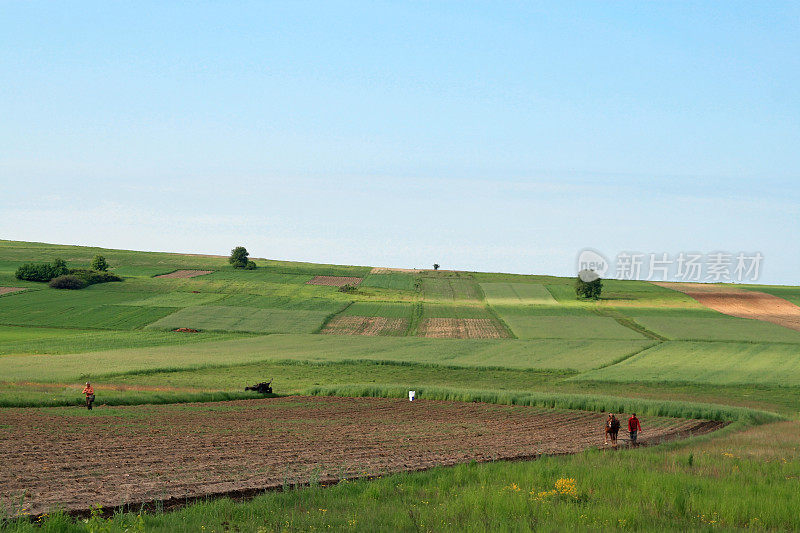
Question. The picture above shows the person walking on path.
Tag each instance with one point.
(634, 427)
(89, 392)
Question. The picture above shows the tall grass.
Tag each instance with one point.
(563, 401)
(112, 398)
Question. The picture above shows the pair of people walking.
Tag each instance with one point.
(612, 429)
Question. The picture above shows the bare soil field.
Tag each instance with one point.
(72, 459)
(7, 290)
(334, 281)
(365, 325)
(185, 274)
(382, 270)
(741, 303)
(461, 328)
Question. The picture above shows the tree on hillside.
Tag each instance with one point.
(589, 289)
(99, 263)
(436, 266)
(239, 258)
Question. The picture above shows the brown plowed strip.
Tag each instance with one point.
(334, 281)
(365, 325)
(6, 290)
(461, 328)
(741, 303)
(185, 274)
(73, 458)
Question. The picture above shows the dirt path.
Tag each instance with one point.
(73, 458)
(741, 303)
(9, 290)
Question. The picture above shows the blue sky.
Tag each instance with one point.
(483, 136)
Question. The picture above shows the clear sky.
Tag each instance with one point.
(494, 136)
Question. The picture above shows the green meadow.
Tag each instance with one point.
(640, 347)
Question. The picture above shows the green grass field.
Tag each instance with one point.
(246, 319)
(720, 328)
(385, 309)
(568, 327)
(517, 294)
(639, 347)
(709, 362)
(398, 281)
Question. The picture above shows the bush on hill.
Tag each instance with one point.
(42, 271)
(589, 289)
(99, 263)
(92, 276)
(68, 281)
(238, 257)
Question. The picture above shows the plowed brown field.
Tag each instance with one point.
(461, 328)
(334, 281)
(741, 303)
(365, 325)
(73, 459)
(185, 274)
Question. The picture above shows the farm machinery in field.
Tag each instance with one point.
(261, 388)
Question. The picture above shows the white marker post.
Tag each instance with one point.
(411, 395)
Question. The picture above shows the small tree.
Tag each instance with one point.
(59, 267)
(589, 289)
(99, 263)
(436, 266)
(238, 257)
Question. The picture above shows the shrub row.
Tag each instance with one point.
(78, 278)
(42, 271)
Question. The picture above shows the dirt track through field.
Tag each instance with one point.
(185, 274)
(741, 303)
(7, 290)
(72, 458)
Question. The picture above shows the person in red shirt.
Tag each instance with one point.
(89, 392)
(634, 427)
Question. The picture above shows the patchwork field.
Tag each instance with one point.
(496, 359)
(146, 453)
